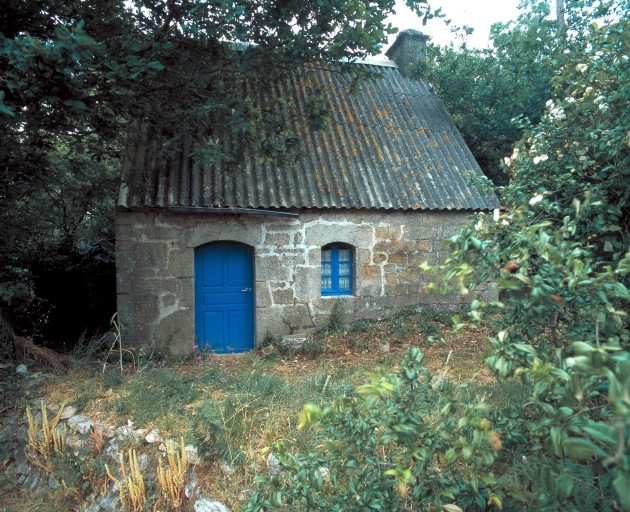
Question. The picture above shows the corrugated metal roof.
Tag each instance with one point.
(392, 145)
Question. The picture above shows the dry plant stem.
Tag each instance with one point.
(97, 438)
(117, 339)
(172, 479)
(440, 379)
(52, 440)
(133, 494)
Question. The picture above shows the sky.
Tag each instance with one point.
(479, 14)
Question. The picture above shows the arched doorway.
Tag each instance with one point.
(224, 297)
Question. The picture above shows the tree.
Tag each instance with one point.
(557, 254)
(485, 90)
(78, 68)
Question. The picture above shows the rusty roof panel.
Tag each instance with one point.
(392, 145)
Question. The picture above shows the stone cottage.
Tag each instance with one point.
(205, 257)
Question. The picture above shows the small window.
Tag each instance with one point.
(336, 270)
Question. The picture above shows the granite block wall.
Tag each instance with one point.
(155, 267)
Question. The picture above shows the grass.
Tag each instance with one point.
(231, 407)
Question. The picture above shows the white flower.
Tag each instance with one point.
(570, 361)
(588, 89)
(507, 161)
(569, 99)
(549, 103)
(536, 160)
(515, 153)
(536, 199)
(505, 222)
(495, 214)
(582, 68)
(603, 107)
(599, 99)
(479, 225)
(567, 51)
(544, 158)
(557, 114)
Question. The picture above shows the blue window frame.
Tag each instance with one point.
(336, 270)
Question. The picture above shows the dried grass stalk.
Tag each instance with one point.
(25, 349)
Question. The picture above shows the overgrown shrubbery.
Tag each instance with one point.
(557, 255)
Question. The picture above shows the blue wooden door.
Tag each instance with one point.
(224, 297)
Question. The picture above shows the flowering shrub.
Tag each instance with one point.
(557, 254)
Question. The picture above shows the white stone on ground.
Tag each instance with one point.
(206, 504)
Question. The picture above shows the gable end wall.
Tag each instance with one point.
(155, 267)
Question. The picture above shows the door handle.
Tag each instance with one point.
(246, 290)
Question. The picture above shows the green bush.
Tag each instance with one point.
(557, 257)
(156, 393)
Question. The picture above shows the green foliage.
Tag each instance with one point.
(485, 90)
(156, 393)
(557, 258)
(212, 432)
(337, 320)
(382, 450)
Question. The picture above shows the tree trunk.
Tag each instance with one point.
(560, 13)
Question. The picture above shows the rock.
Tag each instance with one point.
(34, 481)
(140, 433)
(68, 412)
(273, 465)
(384, 347)
(153, 437)
(22, 434)
(113, 451)
(110, 502)
(53, 483)
(36, 379)
(75, 442)
(22, 370)
(9, 433)
(295, 341)
(162, 447)
(108, 431)
(11, 419)
(191, 485)
(73, 421)
(143, 461)
(191, 454)
(207, 504)
(84, 427)
(227, 469)
(125, 433)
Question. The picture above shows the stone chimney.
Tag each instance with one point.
(410, 47)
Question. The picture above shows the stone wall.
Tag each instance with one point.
(155, 267)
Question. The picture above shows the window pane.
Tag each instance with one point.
(326, 283)
(326, 269)
(344, 283)
(344, 269)
(327, 255)
(344, 255)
